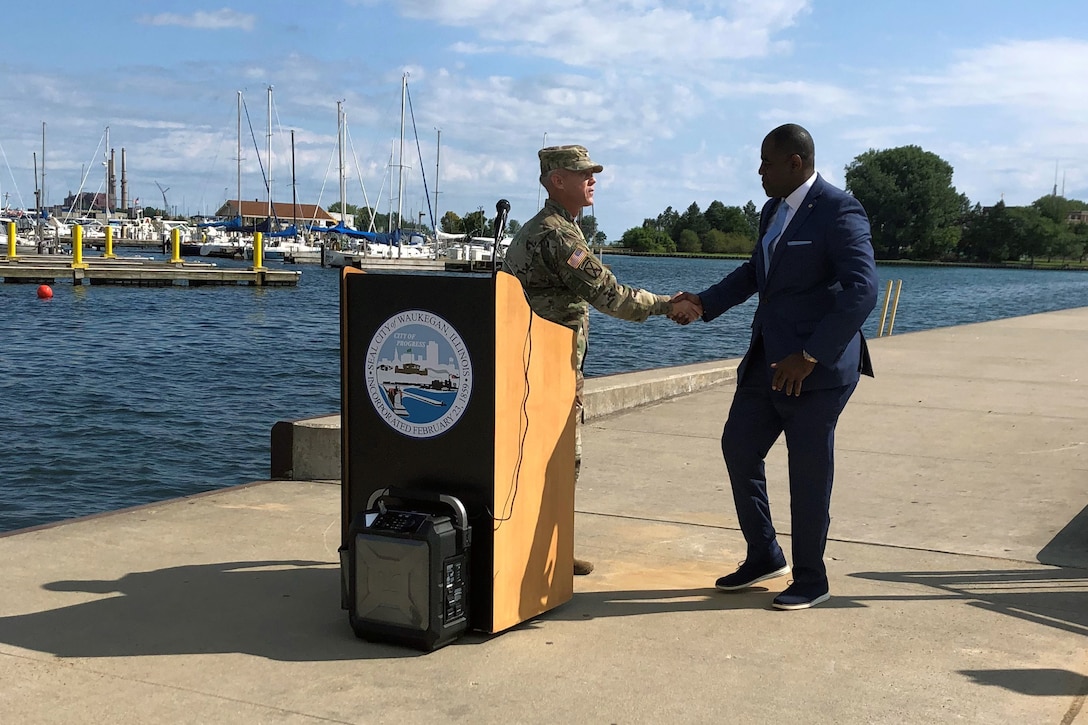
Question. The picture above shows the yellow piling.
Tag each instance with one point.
(895, 306)
(77, 247)
(109, 244)
(884, 312)
(175, 245)
(11, 241)
(258, 250)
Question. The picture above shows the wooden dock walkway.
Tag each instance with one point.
(140, 272)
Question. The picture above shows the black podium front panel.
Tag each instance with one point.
(419, 397)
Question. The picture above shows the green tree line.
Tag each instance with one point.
(478, 224)
(720, 229)
(474, 223)
(915, 213)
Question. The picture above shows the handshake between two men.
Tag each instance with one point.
(787, 374)
(686, 307)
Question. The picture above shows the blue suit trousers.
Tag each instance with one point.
(757, 417)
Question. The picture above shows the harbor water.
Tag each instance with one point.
(117, 396)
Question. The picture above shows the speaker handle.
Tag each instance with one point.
(459, 514)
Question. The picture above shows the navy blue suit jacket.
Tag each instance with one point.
(820, 288)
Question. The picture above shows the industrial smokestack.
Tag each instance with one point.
(124, 182)
(111, 188)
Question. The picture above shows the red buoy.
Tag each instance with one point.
(45, 292)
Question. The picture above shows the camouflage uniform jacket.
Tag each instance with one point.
(560, 275)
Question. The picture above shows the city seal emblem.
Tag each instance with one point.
(418, 374)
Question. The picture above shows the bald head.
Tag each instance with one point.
(787, 160)
(791, 139)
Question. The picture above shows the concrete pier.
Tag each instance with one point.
(958, 562)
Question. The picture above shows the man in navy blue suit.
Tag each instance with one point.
(814, 272)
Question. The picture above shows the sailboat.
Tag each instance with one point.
(274, 240)
(224, 238)
(218, 239)
(347, 245)
(296, 250)
(396, 243)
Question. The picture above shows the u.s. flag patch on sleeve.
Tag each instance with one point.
(577, 257)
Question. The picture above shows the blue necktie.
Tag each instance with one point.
(774, 231)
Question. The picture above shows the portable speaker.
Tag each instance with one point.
(408, 569)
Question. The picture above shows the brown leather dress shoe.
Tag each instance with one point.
(582, 567)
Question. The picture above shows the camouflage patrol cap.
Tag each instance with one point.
(572, 158)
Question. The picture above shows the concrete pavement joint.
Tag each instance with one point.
(857, 542)
(1076, 706)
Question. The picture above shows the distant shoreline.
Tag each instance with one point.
(1053, 266)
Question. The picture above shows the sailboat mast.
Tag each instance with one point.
(340, 151)
(400, 158)
(106, 156)
(389, 224)
(37, 203)
(43, 201)
(437, 160)
(269, 157)
(238, 211)
(294, 190)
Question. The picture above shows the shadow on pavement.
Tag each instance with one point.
(1069, 547)
(1038, 683)
(281, 610)
(289, 611)
(1052, 597)
(640, 602)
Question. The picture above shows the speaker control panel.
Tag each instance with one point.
(400, 522)
(454, 589)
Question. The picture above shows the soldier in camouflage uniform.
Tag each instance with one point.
(561, 275)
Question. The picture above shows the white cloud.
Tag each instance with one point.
(224, 19)
(793, 99)
(1003, 115)
(882, 137)
(1020, 77)
(615, 33)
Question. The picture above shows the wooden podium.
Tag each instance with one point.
(452, 385)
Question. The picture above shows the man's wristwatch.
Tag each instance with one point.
(808, 358)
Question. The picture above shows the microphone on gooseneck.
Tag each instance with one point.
(502, 209)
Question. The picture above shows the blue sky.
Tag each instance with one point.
(672, 97)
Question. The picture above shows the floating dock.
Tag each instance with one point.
(139, 272)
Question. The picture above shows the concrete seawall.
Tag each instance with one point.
(309, 449)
